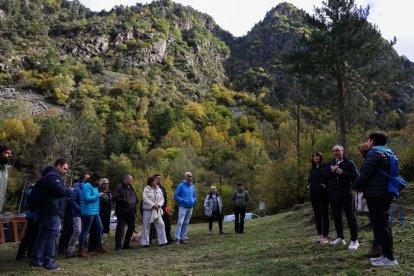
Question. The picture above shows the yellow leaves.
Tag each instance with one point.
(196, 112)
(12, 129)
(19, 132)
(212, 135)
(137, 128)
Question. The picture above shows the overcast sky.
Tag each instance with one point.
(393, 18)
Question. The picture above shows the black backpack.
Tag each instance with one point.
(34, 199)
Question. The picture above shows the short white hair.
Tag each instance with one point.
(188, 174)
(103, 180)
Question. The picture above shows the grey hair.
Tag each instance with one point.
(103, 180)
(187, 174)
(340, 146)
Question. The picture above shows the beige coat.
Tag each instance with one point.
(151, 197)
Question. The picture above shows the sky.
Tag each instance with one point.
(393, 18)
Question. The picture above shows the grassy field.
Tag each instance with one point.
(282, 244)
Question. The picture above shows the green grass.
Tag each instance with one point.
(282, 244)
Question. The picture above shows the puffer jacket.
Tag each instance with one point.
(151, 197)
(75, 199)
(340, 183)
(54, 193)
(89, 200)
(371, 180)
(185, 195)
(209, 203)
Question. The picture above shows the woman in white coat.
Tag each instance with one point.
(152, 201)
(213, 206)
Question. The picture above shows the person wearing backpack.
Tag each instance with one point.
(49, 196)
(375, 183)
(240, 200)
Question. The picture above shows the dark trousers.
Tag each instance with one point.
(44, 247)
(239, 214)
(129, 220)
(339, 202)
(320, 206)
(93, 238)
(217, 214)
(167, 222)
(381, 226)
(26, 244)
(65, 235)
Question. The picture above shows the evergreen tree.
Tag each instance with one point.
(339, 54)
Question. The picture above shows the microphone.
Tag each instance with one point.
(336, 161)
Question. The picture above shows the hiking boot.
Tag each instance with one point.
(127, 247)
(209, 232)
(103, 249)
(338, 241)
(374, 252)
(384, 261)
(177, 241)
(223, 232)
(184, 241)
(35, 265)
(353, 245)
(82, 254)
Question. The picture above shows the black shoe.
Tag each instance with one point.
(145, 246)
(35, 265)
(71, 255)
(117, 248)
(127, 247)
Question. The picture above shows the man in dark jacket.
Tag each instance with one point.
(339, 174)
(126, 206)
(374, 183)
(53, 201)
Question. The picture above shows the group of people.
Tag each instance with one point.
(331, 185)
(86, 209)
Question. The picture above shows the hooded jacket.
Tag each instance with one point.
(371, 180)
(340, 183)
(185, 195)
(54, 193)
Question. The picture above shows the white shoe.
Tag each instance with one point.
(323, 240)
(209, 232)
(384, 262)
(353, 245)
(337, 242)
(376, 259)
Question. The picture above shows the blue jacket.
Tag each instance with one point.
(185, 195)
(54, 193)
(89, 200)
(75, 199)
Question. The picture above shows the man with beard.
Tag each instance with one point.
(5, 156)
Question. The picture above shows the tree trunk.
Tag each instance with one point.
(341, 111)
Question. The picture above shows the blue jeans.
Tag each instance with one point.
(86, 226)
(44, 247)
(184, 215)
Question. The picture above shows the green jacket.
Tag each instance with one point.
(241, 199)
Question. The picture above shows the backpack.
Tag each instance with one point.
(396, 183)
(34, 199)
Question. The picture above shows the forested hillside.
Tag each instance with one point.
(162, 88)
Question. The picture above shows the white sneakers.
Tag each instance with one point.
(321, 239)
(338, 241)
(383, 261)
(353, 245)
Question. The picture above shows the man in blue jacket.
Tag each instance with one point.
(186, 197)
(54, 192)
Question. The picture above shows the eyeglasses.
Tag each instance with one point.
(335, 150)
(189, 176)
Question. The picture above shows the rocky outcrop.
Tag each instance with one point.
(33, 103)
